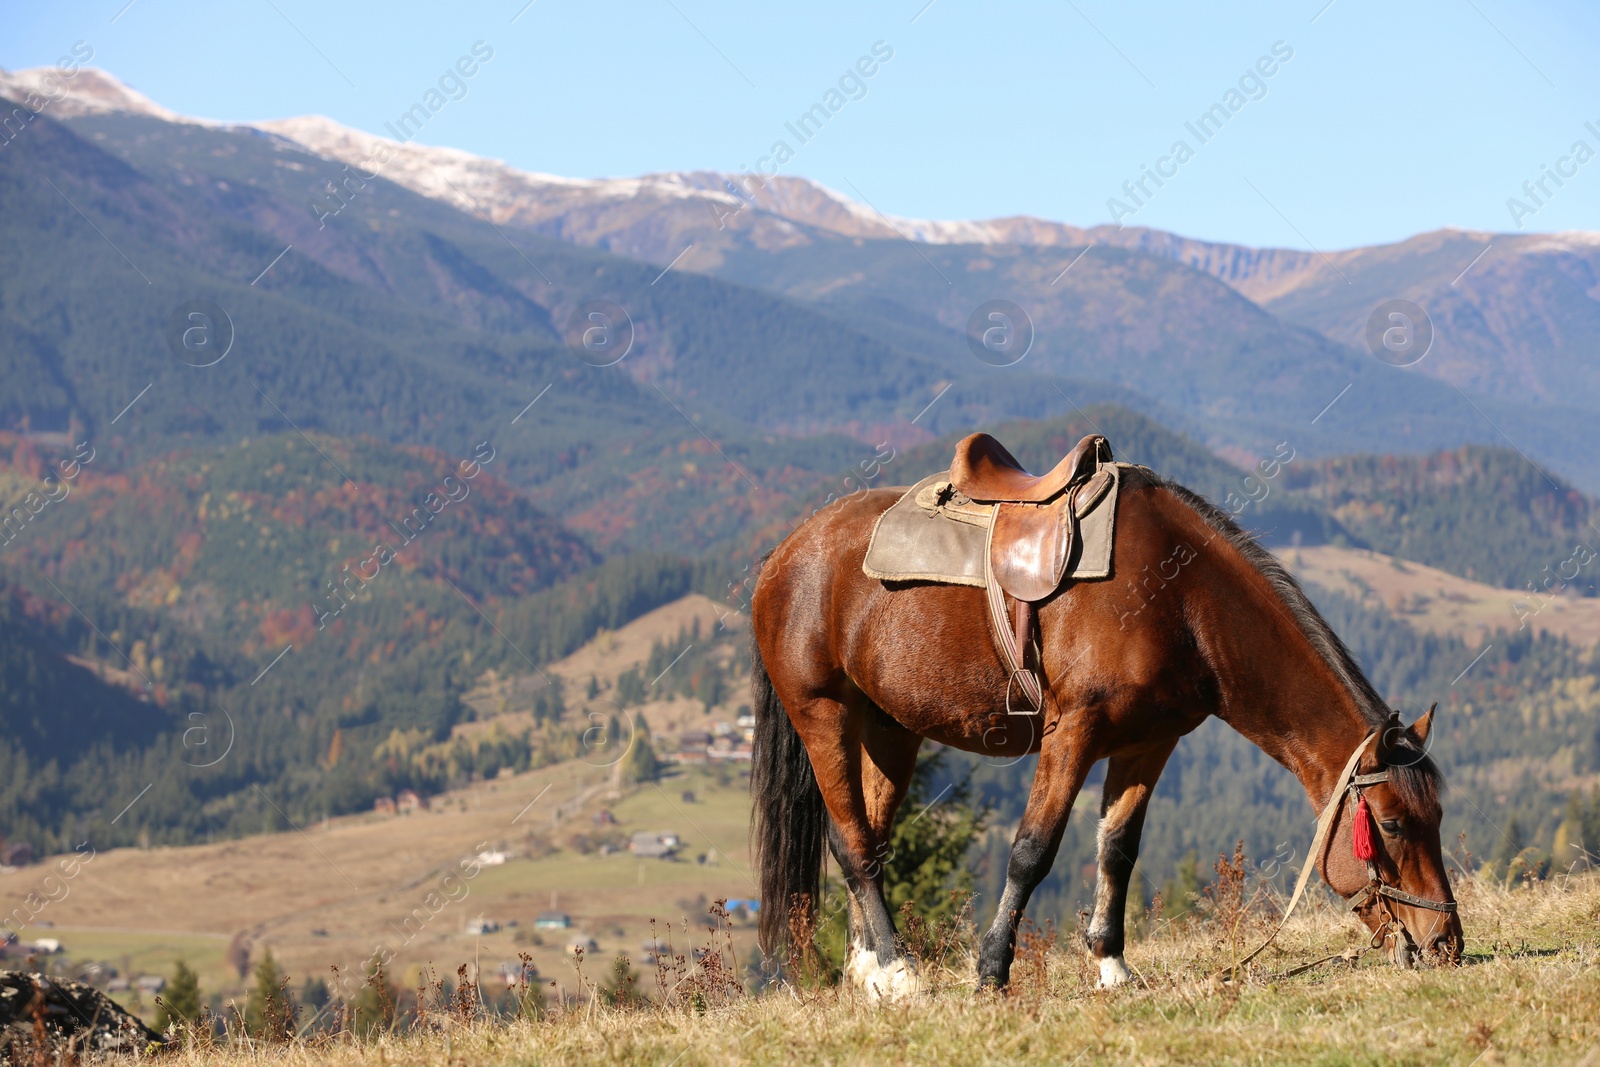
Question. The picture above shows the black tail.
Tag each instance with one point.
(789, 823)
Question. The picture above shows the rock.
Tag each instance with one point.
(68, 1012)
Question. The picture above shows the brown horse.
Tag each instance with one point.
(851, 673)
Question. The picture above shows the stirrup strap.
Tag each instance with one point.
(1011, 638)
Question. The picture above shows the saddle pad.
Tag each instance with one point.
(911, 543)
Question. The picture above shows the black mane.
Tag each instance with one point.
(1413, 775)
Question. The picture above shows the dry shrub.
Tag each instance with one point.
(808, 967)
(944, 941)
(529, 997)
(466, 996)
(1227, 902)
(1030, 971)
(708, 977)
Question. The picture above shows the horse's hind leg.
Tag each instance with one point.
(1130, 779)
(864, 766)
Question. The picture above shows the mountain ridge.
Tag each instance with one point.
(1257, 271)
(1513, 313)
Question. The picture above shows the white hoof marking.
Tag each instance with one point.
(1114, 972)
(896, 982)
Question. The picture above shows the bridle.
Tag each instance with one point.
(1376, 888)
(1349, 786)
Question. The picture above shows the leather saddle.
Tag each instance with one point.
(1030, 537)
(985, 470)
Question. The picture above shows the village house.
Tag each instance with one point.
(649, 844)
(693, 747)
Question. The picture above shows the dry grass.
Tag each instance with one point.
(1528, 993)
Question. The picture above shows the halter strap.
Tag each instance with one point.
(1379, 889)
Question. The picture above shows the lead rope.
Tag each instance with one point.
(1330, 815)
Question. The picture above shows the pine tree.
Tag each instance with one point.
(640, 763)
(713, 689)
(1584, 816)
(1511, 847)
(269, 1013)
(180, 1001)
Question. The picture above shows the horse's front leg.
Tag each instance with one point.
(1130, 779)
(1064, 762)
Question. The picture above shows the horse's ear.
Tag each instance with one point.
(1390, 736)
(1419, 729)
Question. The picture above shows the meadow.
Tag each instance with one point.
(1528, 991)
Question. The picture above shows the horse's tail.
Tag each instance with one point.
(789, 822)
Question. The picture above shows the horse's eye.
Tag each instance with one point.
(1390, 826)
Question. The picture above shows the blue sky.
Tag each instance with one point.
(1389, 119)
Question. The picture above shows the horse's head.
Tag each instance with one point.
(1393, 868)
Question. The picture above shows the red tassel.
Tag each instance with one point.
(1361, 833)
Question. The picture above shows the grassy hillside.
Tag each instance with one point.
(1525, 995)
(286, 892)
(1436, 601)
(324, 896)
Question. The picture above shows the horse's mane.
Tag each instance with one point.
(1413, 775)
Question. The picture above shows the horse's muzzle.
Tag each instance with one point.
(1444, 947)
(1441, 948)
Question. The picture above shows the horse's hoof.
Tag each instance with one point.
(1114, 972)
(898, 981)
